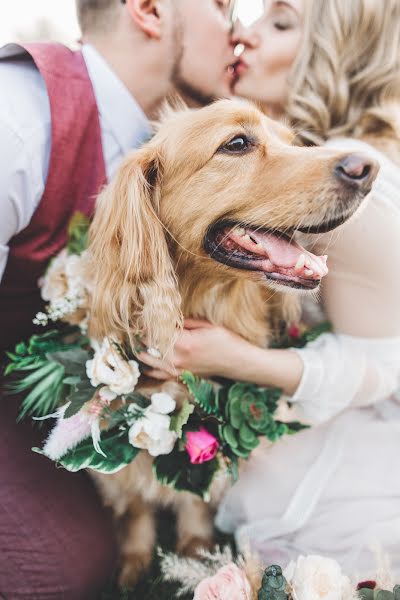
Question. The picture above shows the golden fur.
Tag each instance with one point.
(150, 268)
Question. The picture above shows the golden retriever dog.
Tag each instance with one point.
(200, 222)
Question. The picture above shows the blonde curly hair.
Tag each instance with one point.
(346, 79)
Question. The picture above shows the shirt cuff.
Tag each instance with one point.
(3, 259)
(312, 377)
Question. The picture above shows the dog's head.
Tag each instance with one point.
(223, 189)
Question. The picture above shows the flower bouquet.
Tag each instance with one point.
(103, 421)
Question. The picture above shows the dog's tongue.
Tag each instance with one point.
(283, 253)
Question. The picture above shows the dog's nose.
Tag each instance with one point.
(357, 170)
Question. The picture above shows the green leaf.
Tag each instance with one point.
(115, 445)
(241, 452)
(179, 421)
(35, 377)
(233, 468)
(82, 393)
(202, 391)
(45, 395)
(72, 380)
(229, 436)
(234, 412)
(73, 361)
(176, 471)
(246, 434)
(295, 426)
(78, 230)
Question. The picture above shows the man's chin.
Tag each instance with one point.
(241, 88)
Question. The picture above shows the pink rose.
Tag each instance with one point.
(230, 583)
(201, 446)
(294, 331)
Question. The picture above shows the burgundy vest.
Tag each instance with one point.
(75, 176)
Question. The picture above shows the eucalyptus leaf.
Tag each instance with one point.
(73, 361)
(179, 421)
(81, 393)
(72, 380)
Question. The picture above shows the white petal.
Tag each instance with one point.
(96, 437)
(106, 394)
(163, 403)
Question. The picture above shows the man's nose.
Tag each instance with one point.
(244, 35)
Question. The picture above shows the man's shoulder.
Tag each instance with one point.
(24, 103)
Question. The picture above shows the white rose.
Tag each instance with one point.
(64, 277)
(54, 283)
(151, 432)
(107, 367)
(162, 403)
(65, 288)
(316, 578)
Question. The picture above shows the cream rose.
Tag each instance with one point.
(64, 277)
(151, 432)
(65, 287)
(317, 578)
(117, 375)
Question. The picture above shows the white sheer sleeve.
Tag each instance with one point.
(359, 364)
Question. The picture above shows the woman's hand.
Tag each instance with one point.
(209, 350)
(202, 348)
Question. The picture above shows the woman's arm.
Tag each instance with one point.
(208, 350)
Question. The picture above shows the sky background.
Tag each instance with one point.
(21, 15)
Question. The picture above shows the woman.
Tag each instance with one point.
(331, 68)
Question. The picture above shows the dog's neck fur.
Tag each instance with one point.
(244, 306)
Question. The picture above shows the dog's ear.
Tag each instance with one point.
(135, 291)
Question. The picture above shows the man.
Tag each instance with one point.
(66, 120)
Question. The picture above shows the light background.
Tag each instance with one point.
(22, 18)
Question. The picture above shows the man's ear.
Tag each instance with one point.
(146, 15)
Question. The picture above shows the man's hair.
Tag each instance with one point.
(96, 16)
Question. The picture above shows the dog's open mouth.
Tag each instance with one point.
(272, 253)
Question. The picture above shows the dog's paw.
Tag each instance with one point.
(192, 546)
(133, 567)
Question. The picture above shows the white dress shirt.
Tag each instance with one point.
(25, 135)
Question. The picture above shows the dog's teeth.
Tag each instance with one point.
(309, 272)
(247, 237)
(240, 231)
(300, 262)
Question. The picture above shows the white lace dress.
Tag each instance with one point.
(334, 489)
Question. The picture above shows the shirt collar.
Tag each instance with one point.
(127, 121)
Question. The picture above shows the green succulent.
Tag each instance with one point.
(274, 585)
(249, 413)
(377, 594)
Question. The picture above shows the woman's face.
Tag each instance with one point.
(271, 47)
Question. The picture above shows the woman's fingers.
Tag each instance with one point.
(151, 361)
(160, 375)
(159, 368)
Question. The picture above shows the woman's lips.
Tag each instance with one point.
(240, 67)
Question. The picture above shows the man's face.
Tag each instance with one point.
(204, 72)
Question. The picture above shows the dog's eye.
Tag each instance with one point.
(240, 143)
